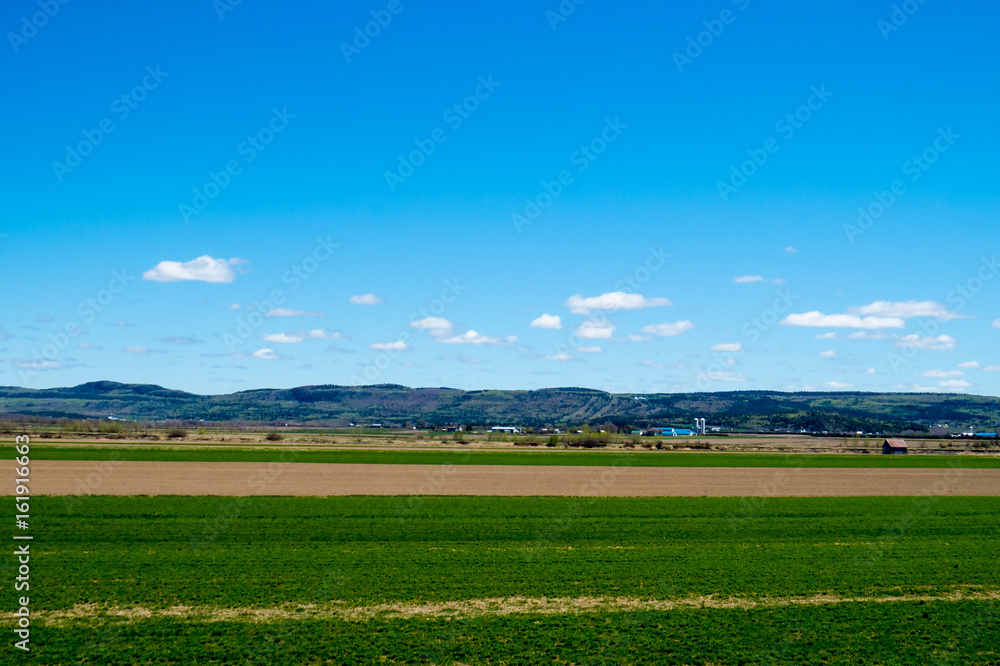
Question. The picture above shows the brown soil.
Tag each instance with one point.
(52, 477)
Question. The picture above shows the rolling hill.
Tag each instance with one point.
(330, 405)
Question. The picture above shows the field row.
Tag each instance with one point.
(913, 633)
(654, 562)
(268, 551)
(479, 457)
(237, 479)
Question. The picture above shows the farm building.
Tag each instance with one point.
(670, 432)
(506, 429)
(894, 446)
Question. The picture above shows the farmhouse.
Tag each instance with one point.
(894, 446)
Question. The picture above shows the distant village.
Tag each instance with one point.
(698, 428)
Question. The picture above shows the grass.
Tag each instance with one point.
(165, 551)
(265, 552)
(957, 633)
(145, 452)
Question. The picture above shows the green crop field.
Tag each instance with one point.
(959, 633)
(192, 453)
(429, 580)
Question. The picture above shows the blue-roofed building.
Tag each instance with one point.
(671, 432)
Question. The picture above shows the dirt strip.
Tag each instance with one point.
(468, 607)
(56, 477)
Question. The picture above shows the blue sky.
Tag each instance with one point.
(715, 196)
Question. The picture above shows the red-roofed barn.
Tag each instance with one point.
(894, 446)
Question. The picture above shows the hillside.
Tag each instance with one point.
(330, 405)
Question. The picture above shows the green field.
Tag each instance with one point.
(193, 453)
(313, 555)
(957, 633)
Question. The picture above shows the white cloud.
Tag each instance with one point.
(284, 338)
(992, 368)
(138, 350)
(299, 336)
(996, 323)
(919, 388)
(816, 318)
(745, 279)
(593, 331)
(478, 339)
(434, 325)
(234, 306)
(826, 336)
(865, 335)
(288, 312)
(870, 371)
(668, 329)
(365, 299)
(907, 309)
(547, 321)
(791, 249)
(955, 384)
(320, 334)
(940, 342)
(728, 347)
(969, 364)
(653, 364)
(880, 314)
(828, 353)
(939, 374)
(268, 355)
(558, 357)
(615, 300)
(202, 269)
(590, 350)
(838, 385)
(398, 345)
